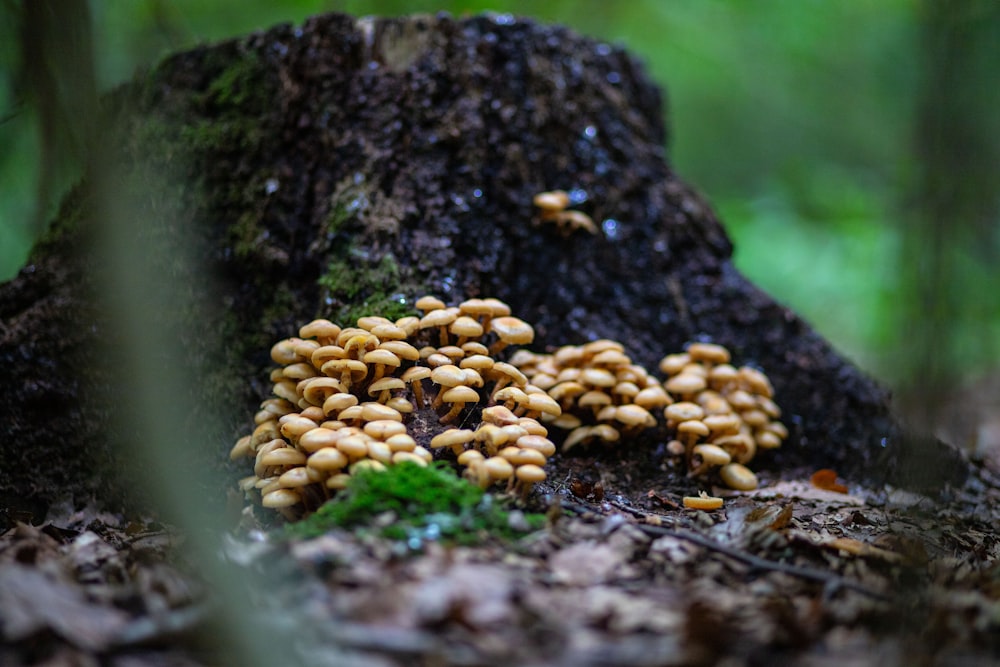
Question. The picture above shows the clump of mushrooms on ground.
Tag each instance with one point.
(342, 398)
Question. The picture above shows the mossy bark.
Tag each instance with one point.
(347, 167)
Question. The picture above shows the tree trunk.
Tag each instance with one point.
(350, 166)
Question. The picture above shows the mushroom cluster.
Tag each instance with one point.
(602, 395)
(723, 414)
(507, 446)
(343, 398)
(717, 416)
(553, 209)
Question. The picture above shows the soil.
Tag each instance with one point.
(791, 573)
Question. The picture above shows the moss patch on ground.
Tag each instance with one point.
(413, 504)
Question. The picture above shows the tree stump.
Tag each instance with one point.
(349, 166)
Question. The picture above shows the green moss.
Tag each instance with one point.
(429, 503)
(238, 85)
(365, 288)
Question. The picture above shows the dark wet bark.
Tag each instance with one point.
(348, 167)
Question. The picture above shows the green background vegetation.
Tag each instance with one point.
(797, 119)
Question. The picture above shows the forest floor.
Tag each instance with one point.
(790, 572)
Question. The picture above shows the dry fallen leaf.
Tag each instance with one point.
(826, 479)
(863, 549)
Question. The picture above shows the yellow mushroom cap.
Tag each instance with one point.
(384, 428)
(401, 349)
(693, 427)
(280, 498)
(389, 332)
(353, 447)
(416, 373)
(448, 375)
(597, 377)
(429, 303)
(499, 415)
(702, 502)
(498, 467)
(722, 375)
(710, 352)
(375, 411)
(367, 464)
(385, 384)
(652, 397)
(554, 200)
(470, 455)
(713, 455)
(452, 437)
(316, 390)
(767, 439)
(327, 459)
(756, 381)
(401, 442)
(438, 318)
(512, 330)
(685, 383)
(727, 423)
(382, 356)
(404, 456)
(317, 438)
(297, 477)
(530, 473)
(524, 456)
(673, 363)
(466, 327)
(479, 362)
(633, 415)
(683, 411)
(283, 456)
(538, 443)
(293, 426)
(737, 476)
(544, 404)
(460, 394)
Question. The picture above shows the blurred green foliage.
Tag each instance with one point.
(796, 119)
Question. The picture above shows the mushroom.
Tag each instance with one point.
(453, 438)
(440, 320)
(510, 331)
(458, 397)
(382, 359)
(337, 403)
(384, 388)
(551, 202)
(704, 457)
(408, 457)
(702, 501)
(375, 411)
(505, 375)
(738, 476)
(708, 352)
(381, 429)
(429, 303)
(328, 460)
(464, 327)
(318, 438)
(413, 376)
(349, 370)
(685, 385)
(324, 331)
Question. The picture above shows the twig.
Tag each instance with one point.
(830, 581)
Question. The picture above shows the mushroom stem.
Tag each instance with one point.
(456, 408)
